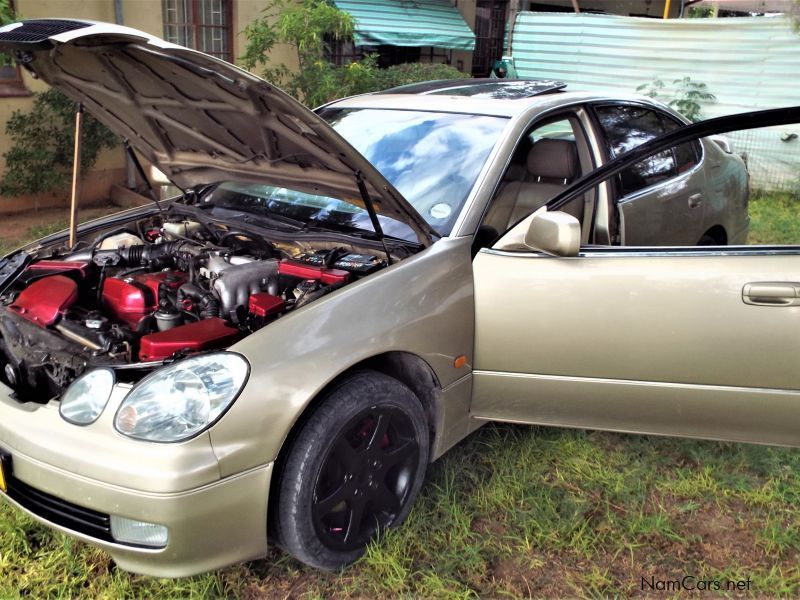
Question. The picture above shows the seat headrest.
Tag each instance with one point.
(553, 159)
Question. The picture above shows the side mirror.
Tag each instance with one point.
(556, 233)
(158, 178)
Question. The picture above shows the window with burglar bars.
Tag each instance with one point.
(11, 83)
(204, 25)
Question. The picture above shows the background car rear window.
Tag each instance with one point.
(625, 127)
(432, 158)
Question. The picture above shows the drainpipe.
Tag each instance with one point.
(513, 8)
(130, 170)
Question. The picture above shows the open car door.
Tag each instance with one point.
(690, 341)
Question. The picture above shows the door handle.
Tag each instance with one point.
(768, 293)
(695, 200)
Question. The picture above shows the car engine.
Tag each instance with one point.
(137, 298)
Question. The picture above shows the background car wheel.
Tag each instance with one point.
(707, 240)
(353, 470)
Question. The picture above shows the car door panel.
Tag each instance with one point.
(657, 341)
(732, 414)
(675, 209)
(727, 192)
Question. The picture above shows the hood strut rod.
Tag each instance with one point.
(76, 178)
(373, 216)
(135, 160)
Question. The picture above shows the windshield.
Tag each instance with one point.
(432, 158)
(297, 210)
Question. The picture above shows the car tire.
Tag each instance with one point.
(708, 240)
(354, 469)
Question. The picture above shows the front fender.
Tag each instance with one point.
(422, 305)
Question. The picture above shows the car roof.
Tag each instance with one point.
(489, 88)
(482, 97)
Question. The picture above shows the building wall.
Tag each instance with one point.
(462, 58)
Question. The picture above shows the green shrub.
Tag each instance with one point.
(415, 72)
(42, 142)
(307, 27)
(688, 97)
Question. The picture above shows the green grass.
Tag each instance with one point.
(513, 511)
(774, 219)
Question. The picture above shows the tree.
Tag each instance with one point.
(688, 98)
(306, 26)
(42, 141)
(6, 17)
(309, 27)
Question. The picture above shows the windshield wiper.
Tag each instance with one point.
(280, 219)
(260, 217)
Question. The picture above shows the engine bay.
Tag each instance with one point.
(155, 290)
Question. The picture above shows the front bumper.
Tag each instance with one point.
(212, 521)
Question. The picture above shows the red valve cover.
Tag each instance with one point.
(304, 271)
(61, 266)
(200, 335)
(262, 304)
(45, 300)
(132, 298)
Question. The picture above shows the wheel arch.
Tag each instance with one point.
(406, 367)
(718, 233)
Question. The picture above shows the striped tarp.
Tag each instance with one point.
(434, 23)
(748, 63)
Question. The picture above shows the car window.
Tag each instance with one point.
(625, 128)
(550, 156)
(558, 130)
(745, 191)
(687, 156)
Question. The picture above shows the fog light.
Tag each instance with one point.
(131, 531)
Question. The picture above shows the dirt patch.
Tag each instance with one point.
(488, 527)
(14, 226)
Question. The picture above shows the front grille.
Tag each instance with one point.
(60, 512)
(33, 32)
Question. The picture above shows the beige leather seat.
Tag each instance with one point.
(551, 166)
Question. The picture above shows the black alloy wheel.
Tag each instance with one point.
(353, 470)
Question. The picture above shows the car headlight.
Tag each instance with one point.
(86, 398)
(181, 400)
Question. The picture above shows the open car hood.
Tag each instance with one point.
(199, 119)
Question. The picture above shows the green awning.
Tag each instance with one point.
(418, 23)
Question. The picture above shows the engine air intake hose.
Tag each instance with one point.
(141, 254)
(209, 304)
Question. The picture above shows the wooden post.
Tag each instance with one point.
(76, 178)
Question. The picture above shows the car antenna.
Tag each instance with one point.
(135, 160)
(373, 216)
